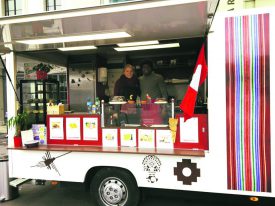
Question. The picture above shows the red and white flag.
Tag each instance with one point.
(188, 102)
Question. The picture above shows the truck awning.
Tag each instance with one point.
(143, 20)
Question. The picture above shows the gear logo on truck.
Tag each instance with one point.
(187, 172)
(151, 164)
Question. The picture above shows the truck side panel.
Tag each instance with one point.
(238, 161)
(240, 98)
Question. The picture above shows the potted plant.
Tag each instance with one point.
(42, 70)
(19, 122)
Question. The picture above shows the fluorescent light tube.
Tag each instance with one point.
(158, 46)
(138, 43)
(87, 37)
(77, 48)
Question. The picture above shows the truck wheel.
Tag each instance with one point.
(114, 187)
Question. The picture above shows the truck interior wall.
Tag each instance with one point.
(82, 86)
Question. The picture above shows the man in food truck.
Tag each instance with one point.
(151, 84)
(153, 89)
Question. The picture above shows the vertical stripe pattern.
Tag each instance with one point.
(248, 103)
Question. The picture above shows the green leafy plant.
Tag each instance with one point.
(20, 122)
(42, 67)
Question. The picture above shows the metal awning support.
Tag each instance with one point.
(8, 75)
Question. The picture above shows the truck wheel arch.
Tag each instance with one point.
(89, 176)
(93, 170)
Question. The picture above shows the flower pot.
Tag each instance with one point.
(17, 141)
(41, 75)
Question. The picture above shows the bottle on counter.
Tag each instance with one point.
(138, 103)
(89, 105)
(94, 109)
(97, 104)
(148, 98)
(111, 120)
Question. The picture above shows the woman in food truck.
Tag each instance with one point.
(128, 84)
(128, 87)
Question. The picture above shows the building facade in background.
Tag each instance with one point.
(19, 7)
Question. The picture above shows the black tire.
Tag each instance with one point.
(114, 187)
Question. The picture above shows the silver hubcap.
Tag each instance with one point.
(113, 191)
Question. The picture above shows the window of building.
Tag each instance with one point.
(13, 7)
(52, 5)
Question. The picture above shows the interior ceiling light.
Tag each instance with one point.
(158, 46)
(138, 43)
(75, 38)
(77, 48)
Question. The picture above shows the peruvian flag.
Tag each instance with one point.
(188, 102)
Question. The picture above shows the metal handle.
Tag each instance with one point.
(102, 113)
(173, 108)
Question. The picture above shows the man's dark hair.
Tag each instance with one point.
(148, 62)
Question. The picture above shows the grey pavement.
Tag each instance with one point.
(3, 131)
(39, 195)
(71, 194)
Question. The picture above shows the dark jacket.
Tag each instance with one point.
(125, 87)
(153, 85)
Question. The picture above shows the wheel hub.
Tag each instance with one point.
(113, 192)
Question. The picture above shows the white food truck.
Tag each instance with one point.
(229, 150)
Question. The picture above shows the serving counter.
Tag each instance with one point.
(146, 129)
(127, 128)
(125, 150)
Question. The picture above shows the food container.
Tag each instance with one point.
(143, 102)
(32, 143)
(55, 109)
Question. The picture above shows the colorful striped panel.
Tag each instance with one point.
(248, 103)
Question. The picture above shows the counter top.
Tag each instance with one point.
(73, 114)
(129, 150)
